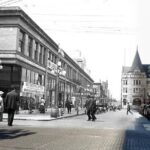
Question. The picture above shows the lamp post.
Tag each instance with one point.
(59, 71)
(57, 82)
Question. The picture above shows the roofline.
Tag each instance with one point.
(17, 11)
(77, 66)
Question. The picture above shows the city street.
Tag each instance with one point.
(111, 131)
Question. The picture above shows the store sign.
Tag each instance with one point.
(32, 88)
(52, 66)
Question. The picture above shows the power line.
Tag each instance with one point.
(9, 2)
(78, 15)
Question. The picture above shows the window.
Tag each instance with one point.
(136, 90)
(23, 76)
(43, 80)
(54, 58)
(39, 79)
(21, 41)
(44, 54)
(36, 51)
(125, 82)
(40, 54)
(32, 77)
(36, 78)
(28, 75)
(29, 53)
(125, 90)
(137, 82)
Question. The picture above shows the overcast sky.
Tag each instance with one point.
(107, 32)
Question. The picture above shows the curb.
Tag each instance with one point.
(62, 117)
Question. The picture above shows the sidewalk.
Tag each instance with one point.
(37, 116)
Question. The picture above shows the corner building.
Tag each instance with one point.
(28, 60)
(135, 83)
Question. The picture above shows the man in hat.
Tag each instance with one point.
(12, 98)
(88, 105)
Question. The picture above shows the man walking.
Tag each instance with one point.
(128, 109)
(11, 100)
(90, 108)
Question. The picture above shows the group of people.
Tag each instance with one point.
(10, 104)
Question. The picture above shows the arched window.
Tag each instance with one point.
(137, 102)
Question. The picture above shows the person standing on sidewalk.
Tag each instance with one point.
(68, 105)
(11, 100)
(128, 109)
(1, 106)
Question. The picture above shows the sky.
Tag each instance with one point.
(107, 32)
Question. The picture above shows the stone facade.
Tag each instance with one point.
(135, 83)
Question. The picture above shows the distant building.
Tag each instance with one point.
(135, 83)
(101, 91)
(81, 61)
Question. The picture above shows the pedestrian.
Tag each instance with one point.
(128, 108)
(68, 105)
(1, 106)
(88, 105)
(11, 100)
(42, 105)
(77, 103)
(93, 110)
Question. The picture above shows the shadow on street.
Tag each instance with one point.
(13, 133)
(137, 139)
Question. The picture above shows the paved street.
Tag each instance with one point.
(111, 131)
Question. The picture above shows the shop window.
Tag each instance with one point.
(21, 41)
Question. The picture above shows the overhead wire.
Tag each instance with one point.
(9, 2)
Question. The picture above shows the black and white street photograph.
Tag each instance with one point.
(74, 75)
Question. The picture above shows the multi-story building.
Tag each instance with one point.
(135, 82)
(101, 91)
(29, 60)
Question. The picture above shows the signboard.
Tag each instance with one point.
(32, 88)
(52, 66)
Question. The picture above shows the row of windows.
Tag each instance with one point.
(32, 77)
(34, 50)
(37, 52)
(135, 90)
(135, 82)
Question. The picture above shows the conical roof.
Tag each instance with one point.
(137, 65)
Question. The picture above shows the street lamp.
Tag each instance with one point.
(59, 71)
